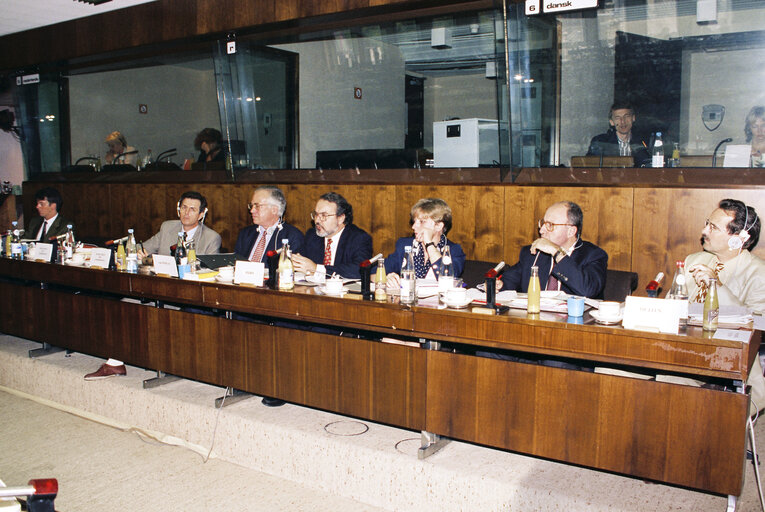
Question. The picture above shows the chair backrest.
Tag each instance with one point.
(474, 272)
(619, 284)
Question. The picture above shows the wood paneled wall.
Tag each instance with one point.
(642, 229)
(178, 20)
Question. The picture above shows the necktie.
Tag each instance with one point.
(704, 287)
(257, 255)
(44, 231)
(328, 252)
(552, 283)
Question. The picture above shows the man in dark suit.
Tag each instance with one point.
(565, 261)
(268, 230)
(622, 139)
(49, 223)
(334, 244)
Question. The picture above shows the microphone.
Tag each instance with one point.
(714, 155)
(59, 237)
(117, 157)
(116, 241)
(368, 263)
(168, 154)
(496, 271)
(91, 158)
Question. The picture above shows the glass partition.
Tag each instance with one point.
(466, 90)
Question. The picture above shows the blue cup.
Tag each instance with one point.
(183, 269)
(575, 306)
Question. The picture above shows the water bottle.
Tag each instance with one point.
(445, 270)
(286, 270)
(657, 157)
(679, 290)
(534, 292)
(16, 252)
(69, 243)
(408, 277)
(132, 253)
(711, 307)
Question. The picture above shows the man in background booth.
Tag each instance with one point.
(622, 139)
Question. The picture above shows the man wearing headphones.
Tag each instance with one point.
(191, 208)
(268, 230)
(730, 232)
(565, 261)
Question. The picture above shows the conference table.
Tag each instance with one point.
(333, 353)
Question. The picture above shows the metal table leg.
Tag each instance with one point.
(44, 351)
(232, 396)
(159, 380)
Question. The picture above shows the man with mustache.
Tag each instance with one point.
(334, 244)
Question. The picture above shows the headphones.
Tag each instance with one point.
(178, 209)
(736, 242)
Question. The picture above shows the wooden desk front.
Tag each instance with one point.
(682, 435)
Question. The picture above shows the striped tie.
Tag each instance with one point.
(328, 252)
(257, 254)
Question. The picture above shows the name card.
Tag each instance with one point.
(165, 265)
(43, 252)
(99, 258)
(737, 155)
(655, 315)
(249, 272)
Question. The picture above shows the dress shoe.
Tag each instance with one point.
(272, 402)
(106, 371)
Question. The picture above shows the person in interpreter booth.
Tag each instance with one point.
(119, 151)
(565, 261)
(431, 220)
(622, 139)
(730, 233)
(208, 143)
(754, 129)
(335, 244)
(191, 208)
(48, 203)
(267, 208)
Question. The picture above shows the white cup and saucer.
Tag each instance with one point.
(77, 259)
(608, 312)
(333, 286)
(455, 296)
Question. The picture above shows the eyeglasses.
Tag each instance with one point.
(321, 216)
(258, 206)
(549, 226)
(711, 226)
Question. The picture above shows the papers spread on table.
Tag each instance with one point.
(730, 316)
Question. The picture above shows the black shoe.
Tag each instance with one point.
(272, 402)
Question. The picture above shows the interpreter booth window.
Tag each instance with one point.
(670, 83)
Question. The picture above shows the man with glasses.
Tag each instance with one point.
(191, 208)
(565, 261)
(266, 208)
(622, 139)
(334, 244)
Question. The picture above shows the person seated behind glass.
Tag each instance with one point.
(622, 139)
(118, 146)
(431, 220)
(754, 128)
(208, 142)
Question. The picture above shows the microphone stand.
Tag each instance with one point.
(714, 155)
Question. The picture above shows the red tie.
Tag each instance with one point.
(552, 283)
(328, 252)
(257, 254)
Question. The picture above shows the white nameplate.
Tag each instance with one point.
(43, 252)
(567, 5)
(737, 155)
(249, 272)
(655, 315)
(165, 265)
(100, 258)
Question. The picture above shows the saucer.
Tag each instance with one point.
(461, 304)
(606, 320)
(225, 280)
(323, 289)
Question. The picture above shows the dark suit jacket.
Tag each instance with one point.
(247, 237)
(582, 273)
(57, 228)
(354, 246)
(607, 144)
(393, 261)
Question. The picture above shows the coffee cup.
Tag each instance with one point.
(609, 309)
(78, 258)
(334, 285)
(456, 295)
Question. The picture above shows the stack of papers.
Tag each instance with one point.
(729, 315)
